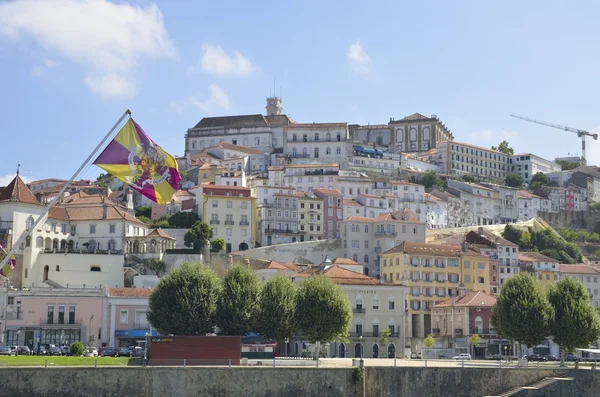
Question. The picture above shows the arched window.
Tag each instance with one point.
(29, 223)
(28, 241)
(355, 257)
(375, 302)
(358, 301)
(366, 258)
(478, 325)
(39, 242)
(366, 228)
(375, 350)
(316, 152)
(304, 152)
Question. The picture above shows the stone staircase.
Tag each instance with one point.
(535, 390)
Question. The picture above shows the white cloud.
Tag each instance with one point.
(111, 85)
(359, 59)
(46, 66)
(108, 38)
(6, 179)
(218, 101)
(216, 62)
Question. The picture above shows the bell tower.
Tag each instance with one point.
(274, 106)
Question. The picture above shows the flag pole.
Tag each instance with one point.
(15, 246)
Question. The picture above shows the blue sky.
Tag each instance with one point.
(70, 68)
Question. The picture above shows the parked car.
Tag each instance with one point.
(24, 350)
(65, 350)
(55, 351)
(94, 351)
(572, 358)
(6, 351)
(125, 352)
(496, 357)
(15, 349)
(42, 351)
(137, 351)
(110, 352)
(415, 355)
(462, 356)
(551, 357)
(536, 357)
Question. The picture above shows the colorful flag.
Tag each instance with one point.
(9, 267)
(136, 160)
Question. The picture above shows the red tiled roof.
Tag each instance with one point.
(280, 266)
(535, 257)
(160, 233)
(344, 261)
(579, 269)
(406, 215)
(328, 192)
(17, 191)
(130, 292)
(427, 249)
(470, 299)
(342, 276)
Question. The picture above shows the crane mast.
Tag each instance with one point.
(580, 133)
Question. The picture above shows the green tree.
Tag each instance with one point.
(238, 304)
(144, 219)
(185, 301)
(104, 180)
(513, 180)
(539, 179)
(522, 312)
(218, 244)
(429, 341)
(197, 235)
(432, 179)
(277, 309)
(143, 211)
(504, 147)
(512, 234)
(161, 224)
(183, 220)
(76, 349)
(575, 322)
(525, 240)
(567, 165)
(385, 336)
(474, 340)
(468, 178)
(323, 312)
(158, 266)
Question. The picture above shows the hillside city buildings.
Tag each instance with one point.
(299, 199)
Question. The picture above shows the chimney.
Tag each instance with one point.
(104, 211)
(129, 204)
(465, 246)
(229, 261)
(480, 230)
(461, 290)
(247, 263)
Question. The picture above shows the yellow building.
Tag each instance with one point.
(433, 273)
(310, 216)
(542, 267)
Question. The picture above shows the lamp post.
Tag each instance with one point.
(360, 338)
(90, 330)
(146, 347)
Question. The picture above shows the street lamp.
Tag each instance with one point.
(360, 338)
(90, 330)
(146, 346)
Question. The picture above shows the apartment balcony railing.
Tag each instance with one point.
(385, 234)
(64, 321)
(428, 280)
(301, 156)
(229, 222)
(268, 205)
(322, 172)
(244, 223)
(282, 231)
(370, 334)
(81, 251)
(215, 222)
(358, 310)
(440, 281)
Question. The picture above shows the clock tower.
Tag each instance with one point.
(274, 106)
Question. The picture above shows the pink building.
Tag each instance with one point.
(332, 211)
(125, 316)
(53, 316)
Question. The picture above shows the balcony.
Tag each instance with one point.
(244, 223)
(322, 172)
(385, 234)
(59, 323)
(440, 281)
(282, 231)
(141, 325)
(358, 310)
(229, 222)
(378, 250)
(369, 334)
(300, 156)
(215, 222)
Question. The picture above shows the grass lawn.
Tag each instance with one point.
(66, 361)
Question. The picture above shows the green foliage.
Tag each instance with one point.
(432, 179)
(579, 236)
(504, 147)
(218, 244)
(185, 301)
(76, 349)
(385, 335)
(161, 224)
(468, 178)
(595, 206)
(358, 375)
(474, 340)
(514, 180)
(238, 304)
(547, 242)
(276, 317)
(323, 312)
(567, 165)
(144, 219)
(183, 220)
(429, 341)
(522, 312)
(575, 323)
(539, 179)
(143, 211)
(197, 235)
(156, 265)
(104, 180)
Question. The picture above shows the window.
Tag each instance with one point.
(366, 244)
(244, 205)
(215, 203)
(92, 229)
(229, 231)
(111, 228)
(95, 269)
(39, 242)
(124, 316)
(392, 304)
(71, 314)
(61, 314)
(50, 316)
(230, 204)
(481, 266)
(375, 303)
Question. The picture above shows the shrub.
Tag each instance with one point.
(77, 349)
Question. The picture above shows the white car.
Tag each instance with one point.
(462, 356)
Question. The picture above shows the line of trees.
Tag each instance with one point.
(547, 242)
(527, 314)
(193, 300)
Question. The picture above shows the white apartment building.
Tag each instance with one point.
(482, 204)
(388, 166)
(437, 212)
(378, 134)
(231, 178)
(588, 275)
(353, 183)
(530, 204)
(230, 212)
(528, 164)
(306, 177)
(317, 142)
(456, 158)
(265, 205)
(365, 239)
(279, 221)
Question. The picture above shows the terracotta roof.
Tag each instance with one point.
(406, 215)
(470, 299)
(426, 249)
(256, 120)
(483, 236)
(160, 233)
(208, 185)
(342, 276)
(351, 202)
(59, 213)
(243, 149)
(317, 125)
(535, 257)
(279, 120)
(344, 261)
(312, 165)
(579, 269)
(327, 192)
(17, 191)
(274, 265)
(130, 292)
(47, 180)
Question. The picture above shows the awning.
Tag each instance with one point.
(593, 351)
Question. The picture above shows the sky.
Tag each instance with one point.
(70, 68)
